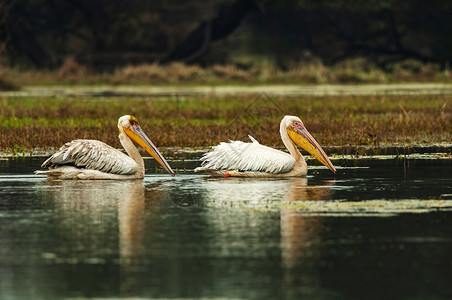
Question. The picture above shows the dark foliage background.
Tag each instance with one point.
(103, 34)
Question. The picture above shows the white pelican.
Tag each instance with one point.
(241, 159)
(91, 159)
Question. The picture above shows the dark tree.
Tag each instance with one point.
(105, 34)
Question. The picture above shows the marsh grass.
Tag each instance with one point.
(374, 121)
(357, 70)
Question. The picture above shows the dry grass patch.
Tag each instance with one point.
(262, 72)
(156, 73)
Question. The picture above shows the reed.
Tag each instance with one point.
(260, 72)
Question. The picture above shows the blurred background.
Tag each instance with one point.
(232, 39)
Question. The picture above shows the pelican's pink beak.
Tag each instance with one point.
(304, 139)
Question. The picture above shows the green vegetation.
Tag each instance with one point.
(375, 121)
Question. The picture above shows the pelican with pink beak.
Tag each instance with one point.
(91, 159)
(239, 159)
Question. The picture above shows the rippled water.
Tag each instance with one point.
(379, 229)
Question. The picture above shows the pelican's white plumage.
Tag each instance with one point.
(241, 159)
(91, 159)
(92, 155)
(253, 157)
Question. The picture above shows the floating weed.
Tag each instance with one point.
(372, 207)
(342, 208)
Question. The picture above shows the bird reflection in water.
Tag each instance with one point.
(95, 214)
(103, 216)
(297, 230)
(93, 210)
(300, 233)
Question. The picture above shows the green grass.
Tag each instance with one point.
(377, 121)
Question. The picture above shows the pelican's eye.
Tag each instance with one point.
(134, 123)
(297, 124)
(133, 120)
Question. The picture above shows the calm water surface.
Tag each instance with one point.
(379, 229)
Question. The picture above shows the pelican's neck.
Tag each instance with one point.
(290, 145)
(132, 151)
(300, 168)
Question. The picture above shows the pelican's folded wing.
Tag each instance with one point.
(93, 155)
(237, 155)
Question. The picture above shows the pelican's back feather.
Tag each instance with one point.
(93, 155)
(237, 155)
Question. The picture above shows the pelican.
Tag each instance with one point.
(241, 159)
(91, 159)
